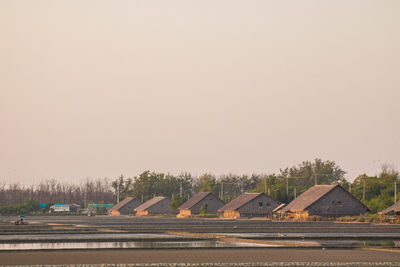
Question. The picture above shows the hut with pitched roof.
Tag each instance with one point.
(125, 207)
(395, 209)
(249, 205)
(155, 206)
(325, 201)
(202, 200)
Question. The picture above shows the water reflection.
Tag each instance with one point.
(113, 245)
(197, 244)
(88, 236)
(311, 235)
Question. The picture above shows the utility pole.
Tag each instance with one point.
(295, 193)
(269, 191)
(287, 185)
(350, 187)
(180, 190)
(265, 185)
(118, 192)
(364, 189)
(315, 178)
(395, 190)
(85, 200)
(222, 190)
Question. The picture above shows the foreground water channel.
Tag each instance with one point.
(211, 240)
(80, 233)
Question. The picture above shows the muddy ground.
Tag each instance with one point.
(96, 224)
(197, 256)
(103, 228)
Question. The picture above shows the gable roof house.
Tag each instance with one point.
(249, 205)
(200, 200)
(125, 207)
(155, 206)
(395, 208)
(326, 201)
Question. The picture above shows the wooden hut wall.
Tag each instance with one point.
(129, 207)
(337, 203)
(161, 207)
(259, 207)
(213, 204)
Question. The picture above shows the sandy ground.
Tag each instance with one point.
(199, 256)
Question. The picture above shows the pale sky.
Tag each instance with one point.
(102, 88)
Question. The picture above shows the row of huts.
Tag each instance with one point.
(319, 200)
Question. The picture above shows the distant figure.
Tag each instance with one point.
(19, 221)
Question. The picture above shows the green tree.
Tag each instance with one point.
(176, 202)
(376, 192)
(208, 183)
(122, 187)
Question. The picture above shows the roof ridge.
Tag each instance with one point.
(240, 201)
(150, 203)
(325, 185)
(122, 203)
(196, 198)
(309, 197)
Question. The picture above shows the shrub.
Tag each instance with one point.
(28, 206)
(203, 208)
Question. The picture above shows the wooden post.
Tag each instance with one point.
(287, 186)
(265, 185)
(364, 189)
(118, 193)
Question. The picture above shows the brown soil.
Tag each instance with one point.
(198, 256)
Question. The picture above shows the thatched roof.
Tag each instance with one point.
(308, 198)
(194, 200)
(312, 195)
(394, 208)
(150, 203)
(239, 201)
(123, 203)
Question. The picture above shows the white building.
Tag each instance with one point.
(60, 208)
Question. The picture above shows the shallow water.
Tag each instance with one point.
(88, 236)
(121, 245)
(198, 244)
(311, 235)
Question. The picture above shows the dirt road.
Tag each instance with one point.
(198, 256)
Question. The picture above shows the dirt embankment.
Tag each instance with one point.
(198, 256)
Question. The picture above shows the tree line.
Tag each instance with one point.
(377, 192)
(283, 186)
(53, 191)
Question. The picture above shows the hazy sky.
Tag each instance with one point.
(102, 88)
